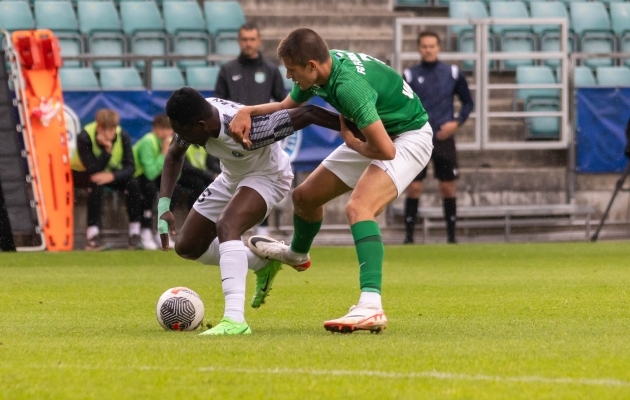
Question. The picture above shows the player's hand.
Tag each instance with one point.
(102, 178)
(104, 143)
(447, 130)
(166, 143)
(346, 134)
(169, 219)
(240, 126)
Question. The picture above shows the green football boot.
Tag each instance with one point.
(264, 280)
(228, 327)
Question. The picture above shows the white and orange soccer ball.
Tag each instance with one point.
(180, 309)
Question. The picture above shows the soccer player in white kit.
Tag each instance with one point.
(251, 183)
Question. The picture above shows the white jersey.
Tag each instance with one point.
(237, 163)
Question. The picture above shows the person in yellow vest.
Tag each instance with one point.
(199, 171)
(104, 158)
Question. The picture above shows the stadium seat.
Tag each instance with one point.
(620, 20)
(227, 46)
(223, 18)
(78, 79)
(512, 38)
(60, 18)
(590, 22)
(543, 127)
(583, 76)
(99, 21)
(184, 22)
(465, 33)
(288, 83)
(417, 3)
(535, 75)
(166, 78)
(15, 15)
(202, 78)
(613, 76)
(120, 79)
(141, 20)
(550, 34)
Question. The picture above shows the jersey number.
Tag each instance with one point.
(407, 90)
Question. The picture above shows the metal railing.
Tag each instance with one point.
(481, 73)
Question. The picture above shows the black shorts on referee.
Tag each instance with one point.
(444, 159)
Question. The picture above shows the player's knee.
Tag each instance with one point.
(187, 250)
(226, 230)
(357, 211)
(300, 199)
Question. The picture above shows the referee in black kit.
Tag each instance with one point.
(250, 80)
(436, 84)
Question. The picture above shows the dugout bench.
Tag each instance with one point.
(506, 217)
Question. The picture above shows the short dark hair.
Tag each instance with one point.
(187, 106)
(303, 45)
(424, 34)
(161, 121)
(248, 26)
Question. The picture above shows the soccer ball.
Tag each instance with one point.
(180, 309)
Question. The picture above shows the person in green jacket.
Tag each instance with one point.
(149, 152)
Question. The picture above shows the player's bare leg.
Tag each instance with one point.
(375, 189)
(308, 207)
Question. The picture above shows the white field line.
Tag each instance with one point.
(609, 382)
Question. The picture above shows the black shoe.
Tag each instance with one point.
(95, 243)
(408, 240)
(135, 243)
(451, 241)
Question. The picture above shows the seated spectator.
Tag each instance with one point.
(149, 154)
(104, 158)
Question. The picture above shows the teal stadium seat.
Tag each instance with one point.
(583, 76)
(288, 83)
(535, 75)
(465, 33)
(227, 46)
(417, 3)
(184, 22)
(15, 16)
(620, 20)
(167, 78)
(120, 79)
(142, 22)
(539, 100)
(59, 16)
(100, 22)
(613, 76)
(223, 18)
(512, 38)
(550, 34)
(202, 78)
(591, 23)
(78, 79)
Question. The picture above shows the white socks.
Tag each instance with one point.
(91, 232)
(370, 298)
(233, 266)
(134, 228)
(212, 257)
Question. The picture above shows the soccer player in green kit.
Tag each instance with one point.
(397, 146)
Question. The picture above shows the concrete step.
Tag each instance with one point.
(508, 159)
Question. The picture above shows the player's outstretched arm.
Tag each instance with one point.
(173, 162)
(241, 124)
(301, 117)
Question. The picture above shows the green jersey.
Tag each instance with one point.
(365, 90)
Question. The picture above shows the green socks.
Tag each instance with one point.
(369, 244)
(303, 234)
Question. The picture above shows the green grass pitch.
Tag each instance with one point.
(500, 321)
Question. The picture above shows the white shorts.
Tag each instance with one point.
(413, 152)
(214, 199)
